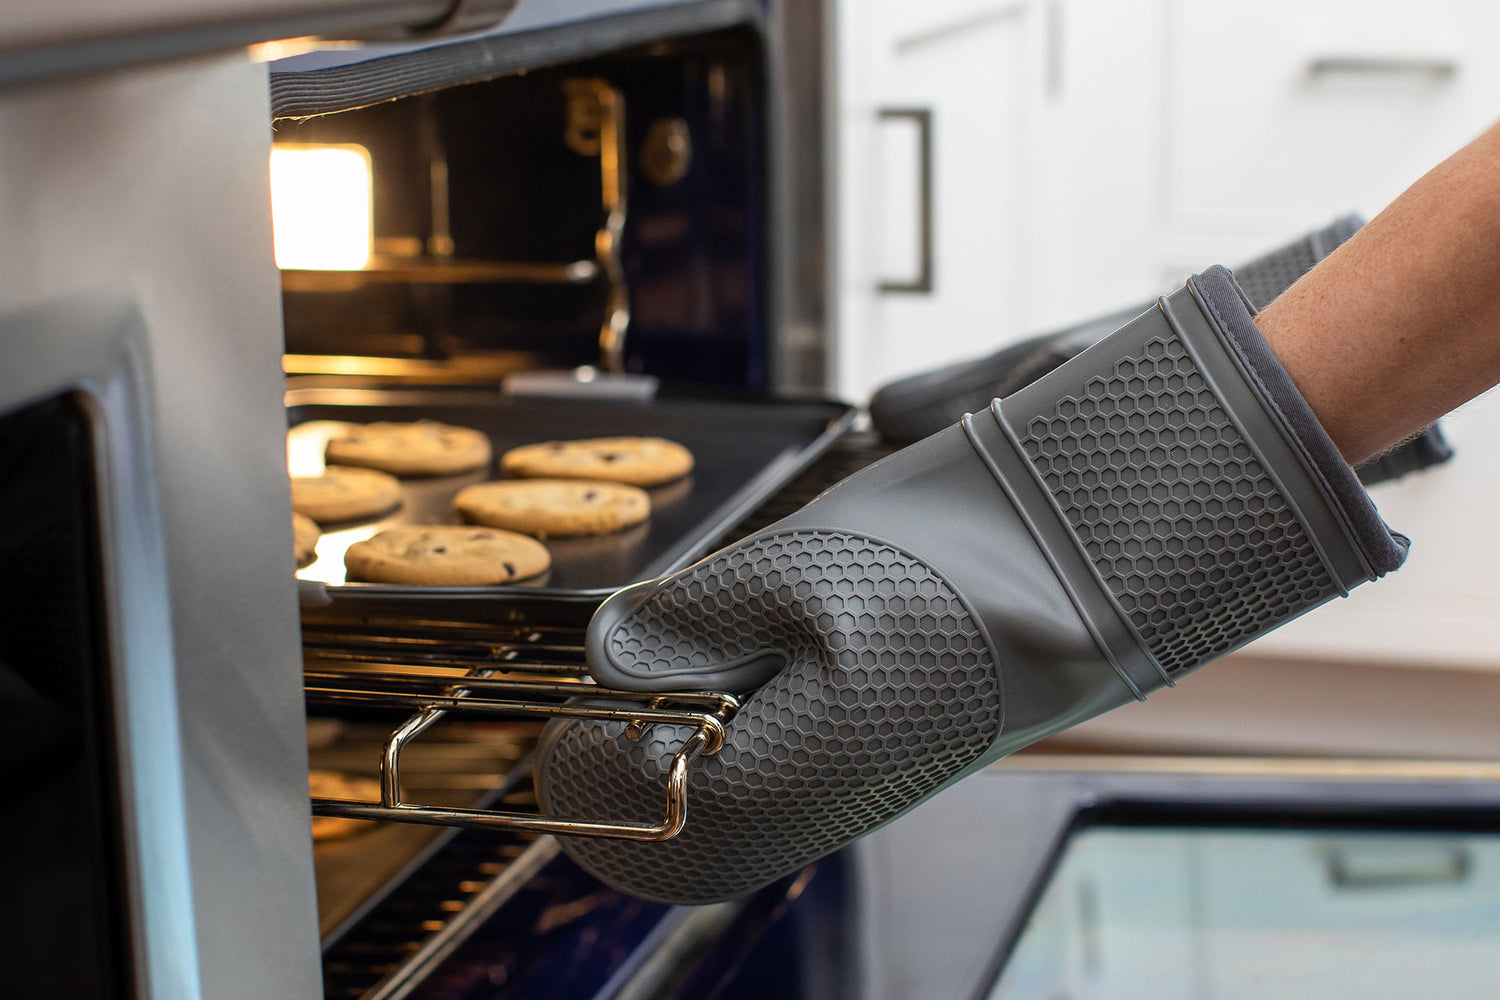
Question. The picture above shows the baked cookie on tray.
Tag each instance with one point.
(554, 508)
(418, 448)
(345, 494)
(639, 461)
(446, 555)
(305, 535)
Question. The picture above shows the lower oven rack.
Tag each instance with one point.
(479, 692)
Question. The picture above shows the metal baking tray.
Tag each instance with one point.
(744, 450)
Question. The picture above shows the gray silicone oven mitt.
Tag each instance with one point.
(918, 405)
(1157, 501)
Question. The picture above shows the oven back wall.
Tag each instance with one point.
(151, 185)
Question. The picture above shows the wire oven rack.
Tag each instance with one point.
(507, 673)
(524, 669)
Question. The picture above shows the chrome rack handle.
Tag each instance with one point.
(480, 693)
(483, 819)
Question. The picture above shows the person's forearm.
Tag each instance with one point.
(1402, 323)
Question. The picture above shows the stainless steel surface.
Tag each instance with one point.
(143, 194)
(487, 368)
(433, 651)
(93, 349)
(388, 269)
(174, 159)
(49, 40)
(479, 693)
(800, 155)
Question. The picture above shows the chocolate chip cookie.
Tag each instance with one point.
(639, 461)
(418, 448)
(454, 555)
(345, 494)
(554, 508)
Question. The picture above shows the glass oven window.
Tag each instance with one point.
(1194, 913)
(60, 918)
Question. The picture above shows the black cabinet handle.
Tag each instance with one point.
(922, 283)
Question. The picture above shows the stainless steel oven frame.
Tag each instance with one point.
(133, 148)
(168, 333)
(95, 352)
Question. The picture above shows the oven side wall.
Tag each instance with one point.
(151, 185)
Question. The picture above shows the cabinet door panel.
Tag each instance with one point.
(959, 71)
(1275, 109)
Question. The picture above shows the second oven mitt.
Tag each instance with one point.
(918, 405)
(1154, 503)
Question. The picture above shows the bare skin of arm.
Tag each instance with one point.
(1402, 323)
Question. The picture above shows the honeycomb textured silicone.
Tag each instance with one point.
(1184, 526)
(1267, 277)
(891, 688)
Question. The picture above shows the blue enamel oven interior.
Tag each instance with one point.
(1232, 913)
(566, 935)
(693, 249)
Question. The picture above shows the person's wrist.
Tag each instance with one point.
(1284, 399)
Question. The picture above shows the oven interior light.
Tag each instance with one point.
(320, 206)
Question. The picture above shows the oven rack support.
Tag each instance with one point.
(479, 693)
(595, 127)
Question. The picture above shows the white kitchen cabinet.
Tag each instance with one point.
(1280, 111)
(1088, 154)
(964, 72)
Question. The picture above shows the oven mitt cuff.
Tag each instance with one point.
(1155, 502)
(1195, 481)
(1220, 295)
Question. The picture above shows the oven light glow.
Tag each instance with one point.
(320, 206)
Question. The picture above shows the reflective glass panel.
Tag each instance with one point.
(1228, 914)
(60, 916)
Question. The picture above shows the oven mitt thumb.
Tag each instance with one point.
(1157, 501)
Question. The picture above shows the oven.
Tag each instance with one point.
(587, 244)
(579, 224)
(591, 218)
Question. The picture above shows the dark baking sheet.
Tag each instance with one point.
(743, 449)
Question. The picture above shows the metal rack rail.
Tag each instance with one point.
(332, 679)
(594, 127)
